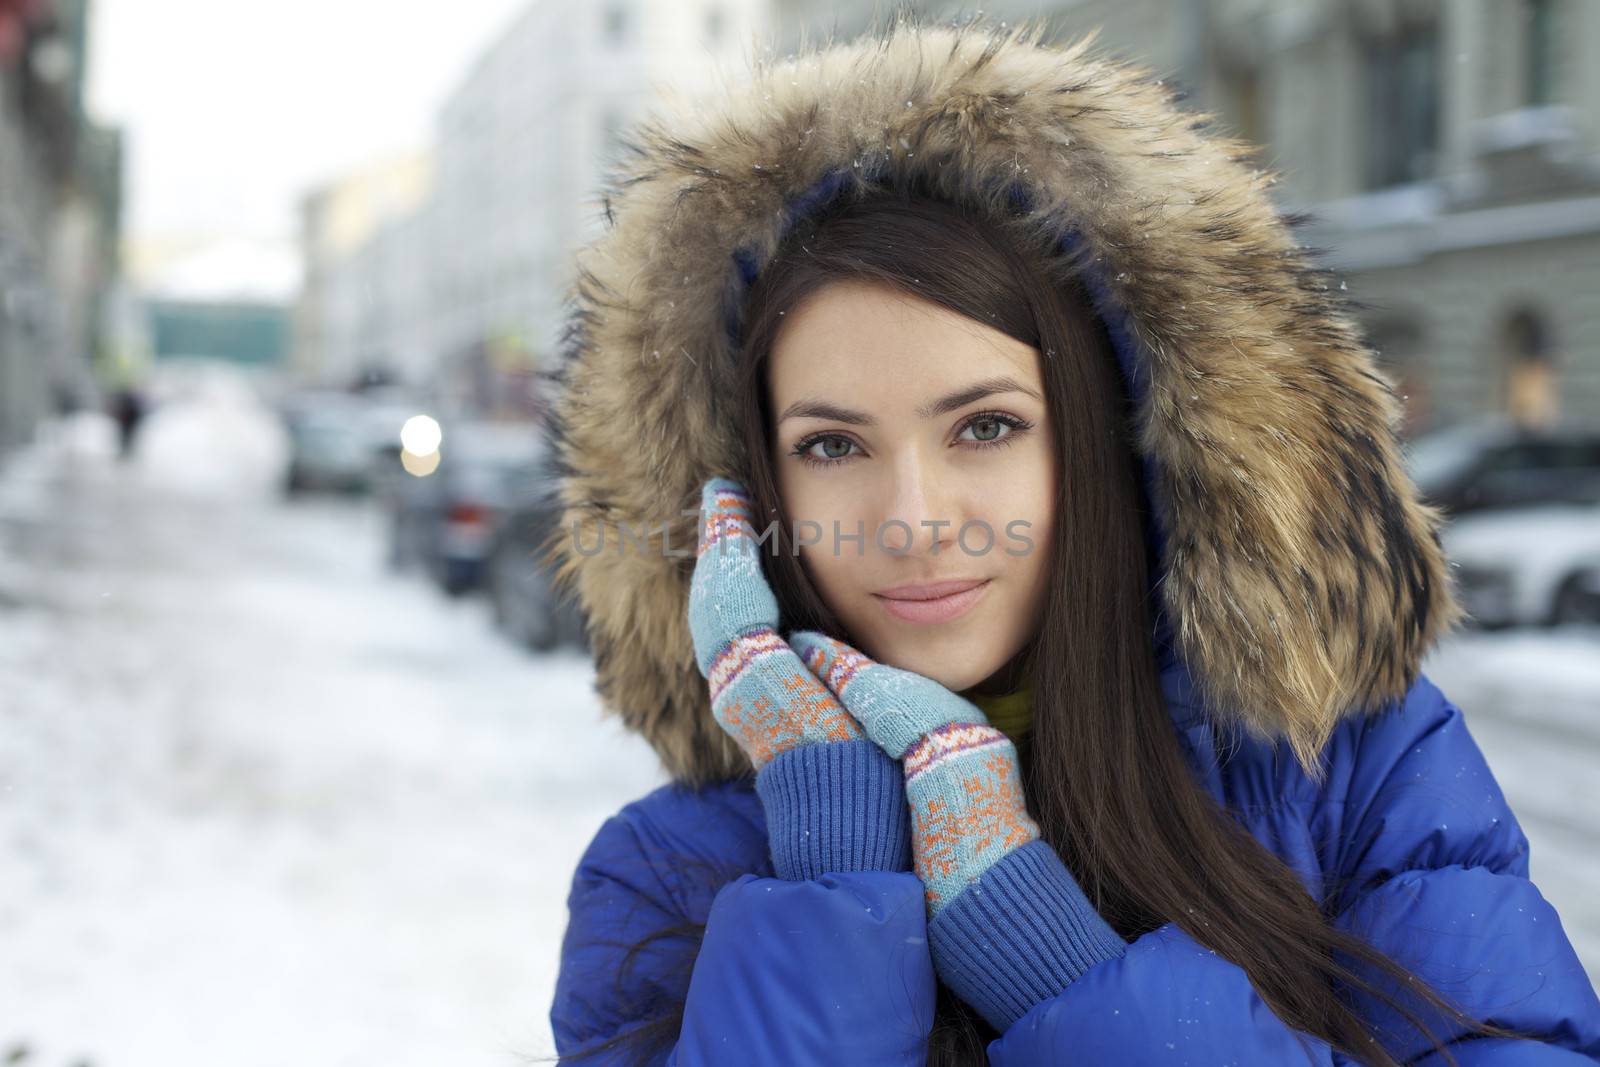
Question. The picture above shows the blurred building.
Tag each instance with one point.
(362, 312)
(248, 332)
(523, 140)
(60, 207)
(453, 280)
(1449, 151)
(213, 296)
(1457, 180)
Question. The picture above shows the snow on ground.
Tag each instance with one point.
(210, 437)
(262, 802)
(1532, 701)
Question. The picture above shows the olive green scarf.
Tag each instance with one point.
(1010, 713)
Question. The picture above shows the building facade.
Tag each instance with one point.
(1448, 152)
(459, 279)
(524, 140)
(362, 311)
(60, 206)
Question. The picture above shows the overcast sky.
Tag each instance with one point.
(232, 107)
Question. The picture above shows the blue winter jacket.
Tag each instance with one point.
(1409, 842)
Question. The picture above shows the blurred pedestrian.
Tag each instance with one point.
(128, 409)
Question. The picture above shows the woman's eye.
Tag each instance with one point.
(993, 430)
(989, 430)
(835, 449)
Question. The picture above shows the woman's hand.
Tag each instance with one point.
(761, 693)
(962, 780)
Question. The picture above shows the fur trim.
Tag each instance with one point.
(1303, 577)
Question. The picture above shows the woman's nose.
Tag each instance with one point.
(921, 497)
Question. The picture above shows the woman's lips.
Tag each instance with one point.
(939, 609)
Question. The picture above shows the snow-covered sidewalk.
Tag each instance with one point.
(264, 803)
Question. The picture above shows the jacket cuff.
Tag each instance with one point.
(1019, 935)
(835, 806)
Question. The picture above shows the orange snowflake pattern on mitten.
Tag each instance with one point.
(790, 708)
(967, 806)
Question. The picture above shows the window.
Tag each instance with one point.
(1402, 80)
(1528, 383)
(1539, 57)
(1398, 342)
(1242, 88)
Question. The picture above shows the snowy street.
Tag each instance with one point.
(263, 802)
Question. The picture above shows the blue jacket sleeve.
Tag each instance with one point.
(827, 970)
(839, 806)
(1429, 865)
(833, 970)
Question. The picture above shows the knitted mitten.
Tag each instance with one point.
(1008, 924)
(833, 800)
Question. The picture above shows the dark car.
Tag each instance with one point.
(1581, 594)
(527, 605)
(446, 519)
(1495, 465)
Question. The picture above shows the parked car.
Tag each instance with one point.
(339, 441)
(330, 448)
(445, 520)
(1493, 465)
(1530, 566)
(1579, 597)
(527, 605)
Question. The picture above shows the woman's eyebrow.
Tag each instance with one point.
(822, 409)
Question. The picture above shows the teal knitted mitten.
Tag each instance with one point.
(761, 694)
(833, 800)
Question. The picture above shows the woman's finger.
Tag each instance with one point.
(896, 707)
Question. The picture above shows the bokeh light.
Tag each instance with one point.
(421, 435)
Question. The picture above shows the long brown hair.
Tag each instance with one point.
(1104, 773)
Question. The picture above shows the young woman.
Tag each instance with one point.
(1042, 684)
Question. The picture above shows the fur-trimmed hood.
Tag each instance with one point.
(1301, 578)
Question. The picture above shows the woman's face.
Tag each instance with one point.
(903, 421)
